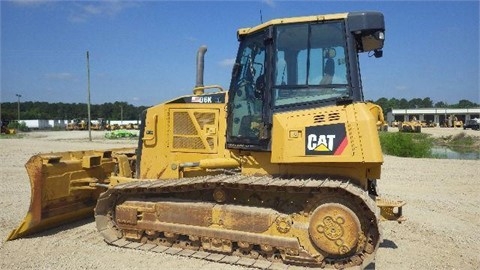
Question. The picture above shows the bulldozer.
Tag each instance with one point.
(77, 124)
(413, 126)
(280, 169)
(100, 124)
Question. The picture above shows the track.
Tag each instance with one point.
(259, 222)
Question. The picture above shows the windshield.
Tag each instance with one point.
(310, 63)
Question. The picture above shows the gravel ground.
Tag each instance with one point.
(441, 232)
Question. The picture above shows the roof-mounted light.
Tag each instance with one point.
(380, 35)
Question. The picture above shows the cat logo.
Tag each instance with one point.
(325, 140)
(320, 142)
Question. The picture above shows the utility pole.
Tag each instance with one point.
(121, 114)
(18, 107)
(88, 100)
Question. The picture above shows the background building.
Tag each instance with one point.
(439, 116)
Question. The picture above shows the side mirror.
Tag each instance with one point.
(372, 41)
(369, 31)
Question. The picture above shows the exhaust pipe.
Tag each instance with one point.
(199, 87)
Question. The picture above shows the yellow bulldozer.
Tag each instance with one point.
(413, 126)
(77, 124)
(281, 168)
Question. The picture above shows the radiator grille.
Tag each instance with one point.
(182, 124)
(187, 143)
(189, 131)
(205, 119)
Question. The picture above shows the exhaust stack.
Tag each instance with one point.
(199, 87)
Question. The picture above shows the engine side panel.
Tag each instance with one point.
(183, 131)
(329, 134)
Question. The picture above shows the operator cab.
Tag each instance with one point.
(295, 64)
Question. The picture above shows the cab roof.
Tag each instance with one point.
(313, 18)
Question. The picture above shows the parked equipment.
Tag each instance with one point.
(4, 129)
(77, 124)
(100, 124)
(281, 168)
(410, 126)
(474, 124)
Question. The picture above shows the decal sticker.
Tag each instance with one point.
(325, 140)
(210, 98)
(207, 99)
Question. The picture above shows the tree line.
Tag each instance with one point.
(417, 103)
(67, 111)
(122, 110)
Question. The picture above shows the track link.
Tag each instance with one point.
(295, 208)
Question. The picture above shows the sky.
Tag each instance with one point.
(144, 52)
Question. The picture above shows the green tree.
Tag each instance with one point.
(394, 103)
(415, 103)
(466, 104)
(427, 103)
(403, 104)
(383, 103)
(441, 104)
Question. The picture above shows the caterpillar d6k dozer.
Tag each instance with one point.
(281, 169)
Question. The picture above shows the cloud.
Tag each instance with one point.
(227, 62)
(191, 39)
(401, 87)
(269, 3)
(60, 76)
(30, 3)
(93, 9)
(83, 11)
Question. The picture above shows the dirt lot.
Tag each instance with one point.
(442, 231)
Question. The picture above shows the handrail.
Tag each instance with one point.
(155, 117)
(201, 89)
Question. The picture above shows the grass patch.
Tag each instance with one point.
(11, 136)
(401, 144)
(419, 145)
(460, 142)
(120, 134)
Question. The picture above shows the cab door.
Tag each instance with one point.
(246, 127)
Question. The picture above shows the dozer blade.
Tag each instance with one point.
(65, 187)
